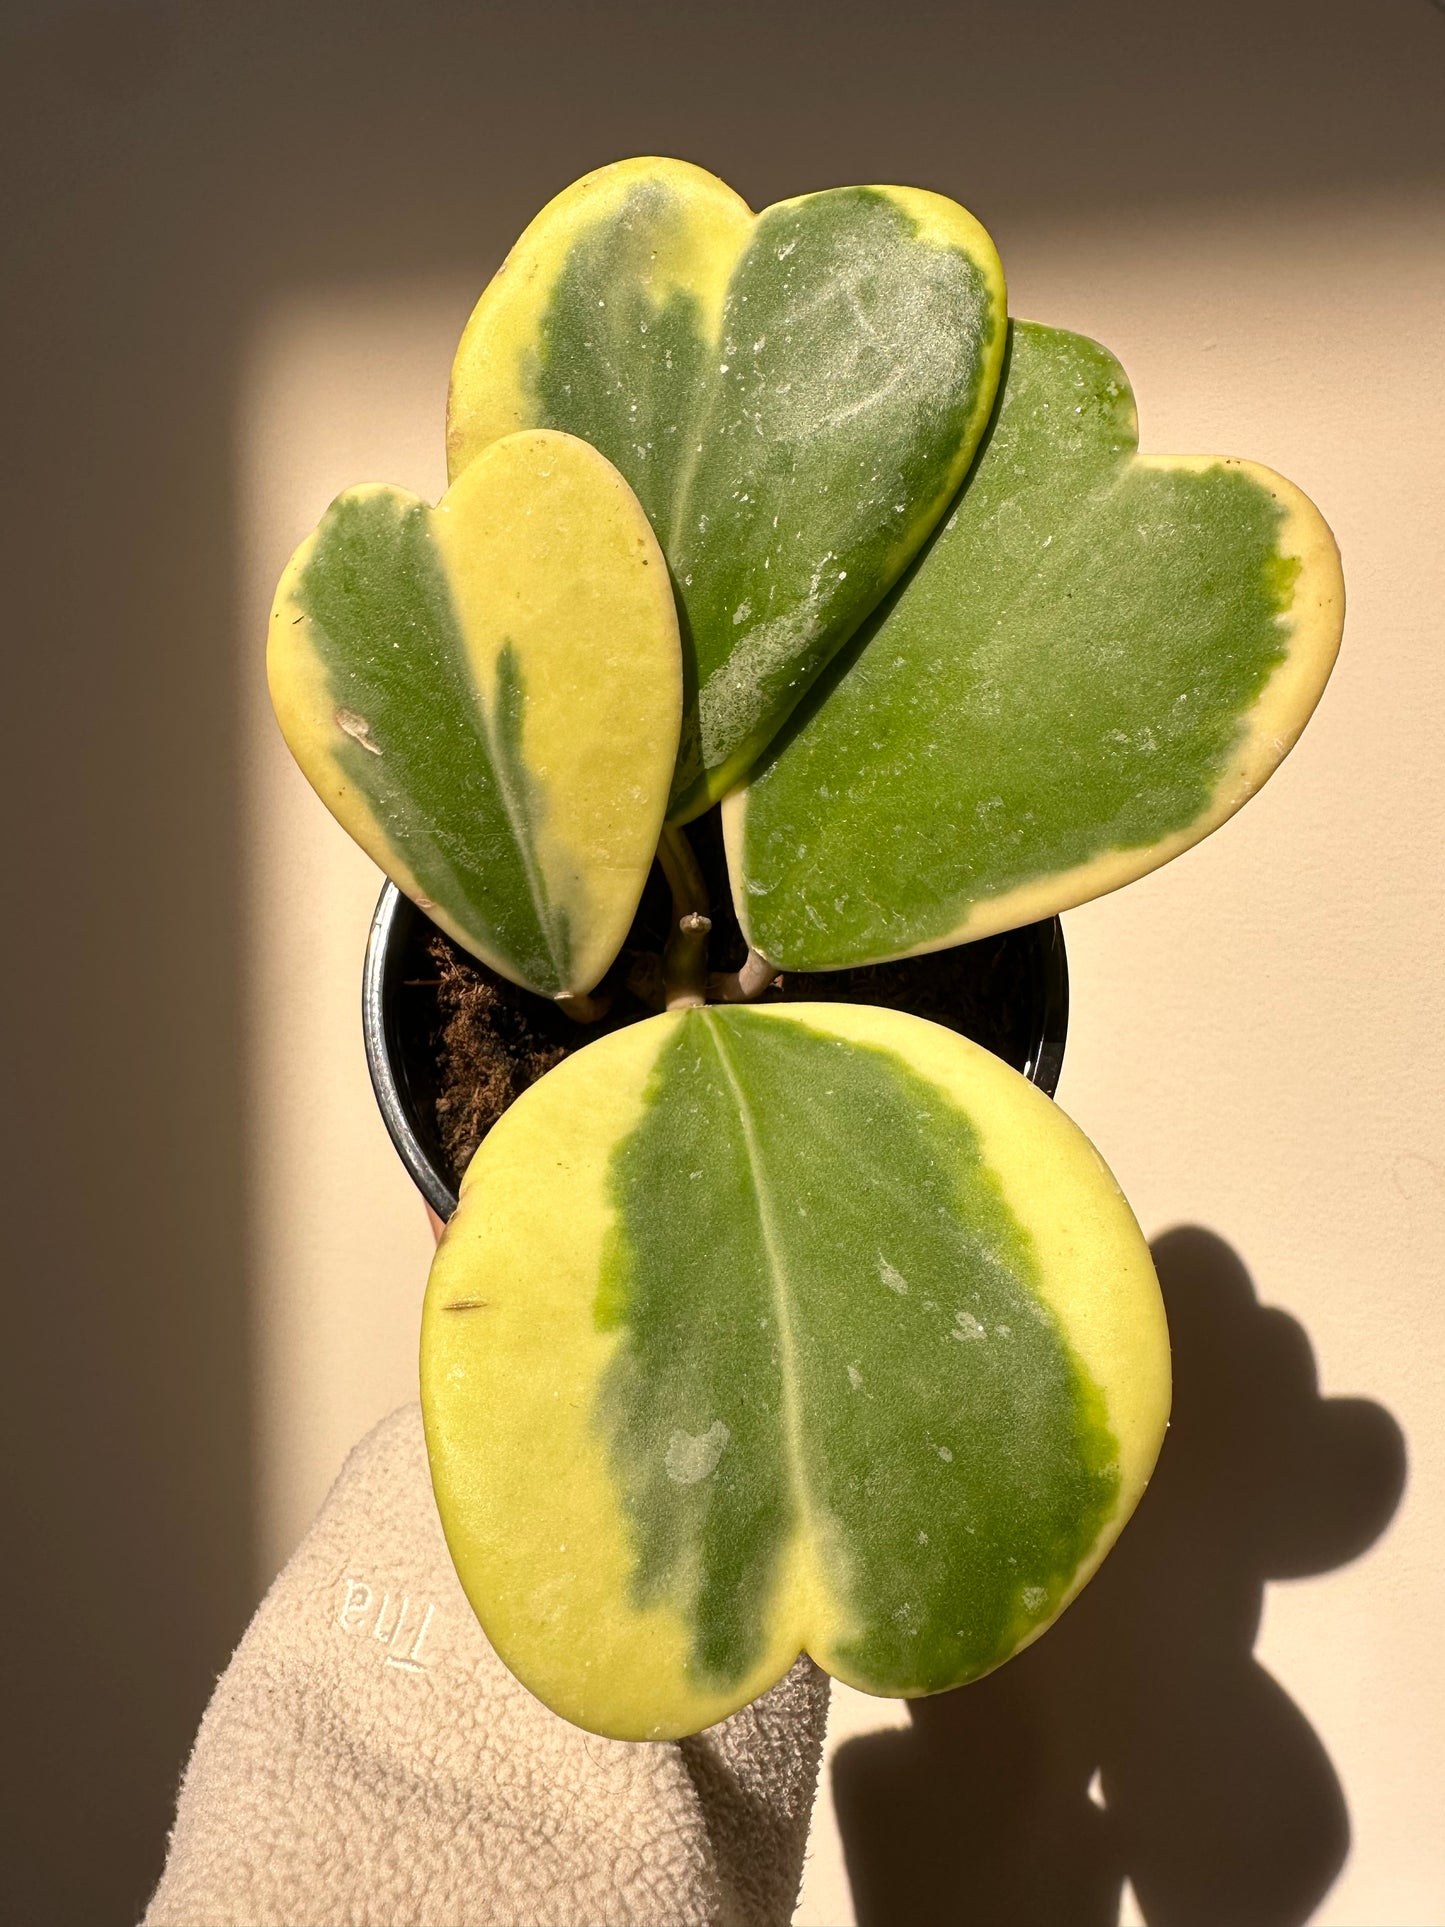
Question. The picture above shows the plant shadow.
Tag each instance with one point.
(1140, 1739)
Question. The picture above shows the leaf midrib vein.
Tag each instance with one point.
(778, 1282)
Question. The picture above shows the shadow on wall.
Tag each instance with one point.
(1141, 1739)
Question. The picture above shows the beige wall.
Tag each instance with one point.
(241, 239)
(340, 387)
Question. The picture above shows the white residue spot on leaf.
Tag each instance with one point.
(357, 728)
(894, 1279)
(855, 1378)
(966, 1327)
(944, 1453)
(691, 1459)
(1034, 1597)
(738, 694)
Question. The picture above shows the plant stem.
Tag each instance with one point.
(680, 867)
(684, 956)
(743, 986)
(684, 962)
(584, 1007)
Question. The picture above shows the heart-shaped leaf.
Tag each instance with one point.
(1098, 659)
(760, 1331)
(487, 694)
(794, 396)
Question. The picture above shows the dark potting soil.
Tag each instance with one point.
(491, 1040)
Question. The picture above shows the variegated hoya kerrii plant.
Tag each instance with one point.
(810, 1327)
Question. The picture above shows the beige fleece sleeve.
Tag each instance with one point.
(367, 1761)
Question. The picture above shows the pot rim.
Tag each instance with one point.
(385, 1062)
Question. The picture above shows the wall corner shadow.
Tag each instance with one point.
(1140, 1739)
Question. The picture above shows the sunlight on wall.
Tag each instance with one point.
(1252, 1046)
(342, 386)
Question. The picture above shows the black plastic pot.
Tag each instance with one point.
(399, 1022)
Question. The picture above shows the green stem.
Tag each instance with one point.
(680, 867)
(684, 956)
